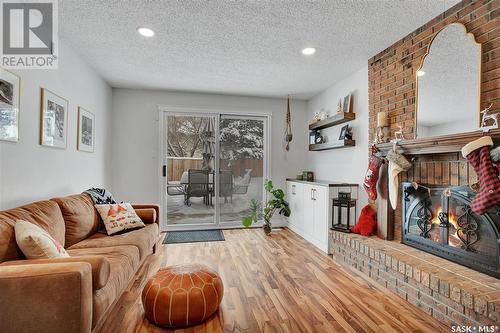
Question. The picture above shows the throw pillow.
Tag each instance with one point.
(367, 223)
(36, 243)
(101, 196)
(119, 217)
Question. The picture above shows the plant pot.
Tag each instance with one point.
(267, 228)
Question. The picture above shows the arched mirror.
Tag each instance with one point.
(448, 84)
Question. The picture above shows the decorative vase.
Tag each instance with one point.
(267, 227)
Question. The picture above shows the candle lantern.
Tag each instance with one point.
(343, 212)
(382, 122)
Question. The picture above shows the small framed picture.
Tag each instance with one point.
(312, 137)
(53, 120)
(346, 105)
(10, 86)
(345, 133)
(86, 130)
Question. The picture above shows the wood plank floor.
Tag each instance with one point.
(279, 283)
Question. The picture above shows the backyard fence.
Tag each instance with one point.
(176, 166)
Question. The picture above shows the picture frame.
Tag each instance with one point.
(346, 104)
(10, 93)
(53, 120)
(86, 131)
(345, 133)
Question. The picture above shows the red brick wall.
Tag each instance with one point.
(391, 73)
(392, 86)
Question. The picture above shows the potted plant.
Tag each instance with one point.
(277, 202)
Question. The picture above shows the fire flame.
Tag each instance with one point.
(454, 239)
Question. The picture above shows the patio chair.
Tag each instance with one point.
(241, 185)
(175, 188)
(198, 186)
(226, 185)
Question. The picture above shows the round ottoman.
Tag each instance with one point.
(182, 295)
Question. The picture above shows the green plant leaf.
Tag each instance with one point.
(247, 221)
(268, 186)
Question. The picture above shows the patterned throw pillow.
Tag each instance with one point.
(119, 217)
(36, 243)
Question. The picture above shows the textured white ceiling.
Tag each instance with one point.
(237, 47)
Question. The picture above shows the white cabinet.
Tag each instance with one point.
(295, 197)
(311, 211)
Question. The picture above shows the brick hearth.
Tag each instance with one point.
(452, 293)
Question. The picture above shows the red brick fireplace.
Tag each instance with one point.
(451, 292)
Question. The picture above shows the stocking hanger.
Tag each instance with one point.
(398, 136)
(486, 116)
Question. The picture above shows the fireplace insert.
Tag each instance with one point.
(439, 220)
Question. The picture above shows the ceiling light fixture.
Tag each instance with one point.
(309, 51)
(420, 73)
(146, 32)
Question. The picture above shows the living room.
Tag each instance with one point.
(269, 166)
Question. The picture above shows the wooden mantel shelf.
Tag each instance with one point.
(436, 145)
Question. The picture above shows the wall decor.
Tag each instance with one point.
(345, 133)
(10, 86)
(346, 105)
(53, 120)
(86, 130)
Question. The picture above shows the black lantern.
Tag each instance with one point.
(343, 212)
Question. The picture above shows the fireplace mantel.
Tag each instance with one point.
(437, 145)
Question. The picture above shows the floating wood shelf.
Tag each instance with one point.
(436, 145)
(340, 118)
(333, 145)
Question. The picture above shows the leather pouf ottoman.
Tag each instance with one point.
(182, 295)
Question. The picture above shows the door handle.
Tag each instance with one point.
(293, 189)
(314, 194)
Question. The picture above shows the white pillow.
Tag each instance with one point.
(36, 243)
(119, 217)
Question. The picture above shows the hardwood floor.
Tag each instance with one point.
(279, 283)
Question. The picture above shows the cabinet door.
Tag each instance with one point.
(294, 197)
(309, 211)
(290, 193)
(321, 196)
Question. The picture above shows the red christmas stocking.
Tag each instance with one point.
(371, 177)
(478, 154)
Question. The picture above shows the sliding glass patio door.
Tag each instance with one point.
(189, 170)
(241, 165)
(214, 165)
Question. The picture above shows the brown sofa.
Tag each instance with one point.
(69, 294)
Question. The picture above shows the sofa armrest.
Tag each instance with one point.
(148, 206)
(147, 215)
(99, 265)
(54, 297)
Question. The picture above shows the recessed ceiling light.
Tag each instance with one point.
(309, 51)
(420, 73)
(146, 32)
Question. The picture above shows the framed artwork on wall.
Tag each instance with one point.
(10, 86)
(86, 130)
(346, 105)
(53, 120)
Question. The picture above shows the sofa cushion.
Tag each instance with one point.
(36, 243)
(80, 217)
(124, 262)
(143, 239)
(45, 214)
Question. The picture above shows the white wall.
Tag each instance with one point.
(30, 172)
(135, 128)
(348, 164)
